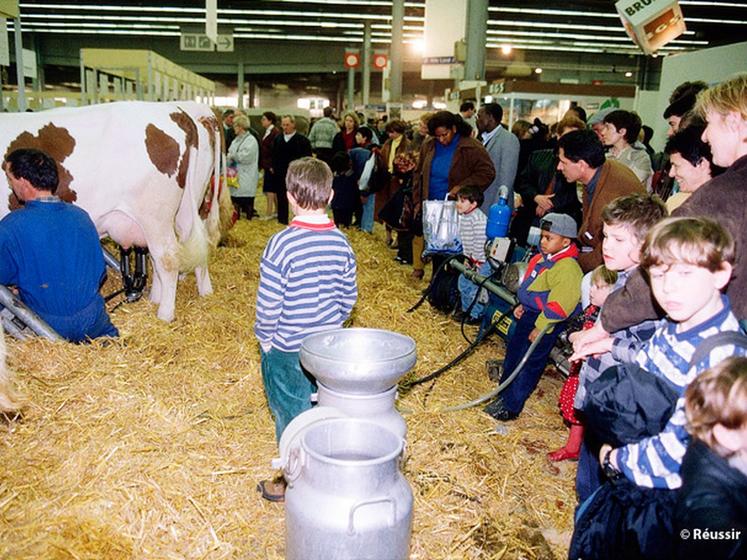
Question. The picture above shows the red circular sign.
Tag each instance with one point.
(352, 60)
(379, 61)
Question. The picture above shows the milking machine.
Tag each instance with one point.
(19, 321)
(133, 267)
(508, 263)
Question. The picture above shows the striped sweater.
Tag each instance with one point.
(472, 233)
(307, 283)
(654, 462)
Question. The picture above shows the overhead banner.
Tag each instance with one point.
(651, 23)
(445, 24)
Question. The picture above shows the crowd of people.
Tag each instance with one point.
(640, 256)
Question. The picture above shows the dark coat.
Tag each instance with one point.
(713, 496)
(283, 153)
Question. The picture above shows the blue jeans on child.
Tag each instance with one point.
(517, 393)
(367, 218)
(468, 289)
(287, 387)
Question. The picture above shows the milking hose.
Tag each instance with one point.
(501, 386)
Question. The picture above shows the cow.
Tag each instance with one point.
(141, 171)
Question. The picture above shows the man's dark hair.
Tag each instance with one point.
(580, 112)
(270, 116)
(583, 145)
(471, 193)
(328, 111)
(648, 134)
(688, 143)
(448, 120)
(627, 120)
(228, 113)
(683, 98)
(466, 106)
(37, 167)
(495, 111)
(366, 132)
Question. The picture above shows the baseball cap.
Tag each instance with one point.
(598, 117)
(562, 224)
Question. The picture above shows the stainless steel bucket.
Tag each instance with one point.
(378, 407)
(346, 498)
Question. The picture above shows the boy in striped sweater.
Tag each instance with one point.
(472, 225)
(307, 284)
(688, 261)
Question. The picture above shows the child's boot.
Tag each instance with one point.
(572, 446)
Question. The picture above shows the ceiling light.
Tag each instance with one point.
(506, 49)
(628, 74)
(538, 70)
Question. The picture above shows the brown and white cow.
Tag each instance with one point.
(141, 171)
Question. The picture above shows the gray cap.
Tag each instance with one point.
(598, 117)
(562, 224)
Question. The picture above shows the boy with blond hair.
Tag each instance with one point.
(307, 284)
(689, 263)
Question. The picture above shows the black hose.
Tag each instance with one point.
(409, 384)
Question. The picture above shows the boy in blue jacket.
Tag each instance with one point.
(549, 294)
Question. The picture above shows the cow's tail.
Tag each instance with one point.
(10, 400)
(214, 216)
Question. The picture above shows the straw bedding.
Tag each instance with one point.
(151, 446)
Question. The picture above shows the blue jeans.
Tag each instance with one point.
(468, 289)
(589, 475)
(367, 219)
(517, 393)
(287, 387)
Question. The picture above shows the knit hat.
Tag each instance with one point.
(562, 224)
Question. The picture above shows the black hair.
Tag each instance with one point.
(37, 167)
(494, 110)
(366, 132)
(628, 120)
(648, 134)
(471, 193)
(583, 145)
(688, 143)
(448, 120)
(466, 106)
(270, 116)
(340, 162)
(328, 111)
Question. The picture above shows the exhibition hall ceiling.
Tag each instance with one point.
(580, 26)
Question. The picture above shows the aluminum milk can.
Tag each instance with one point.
(346, 498)
(378, 407)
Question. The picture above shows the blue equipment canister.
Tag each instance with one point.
(499, 216)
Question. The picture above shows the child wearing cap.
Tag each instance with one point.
(549, 294)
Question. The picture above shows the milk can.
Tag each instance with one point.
(346, 498)
(377, 407)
